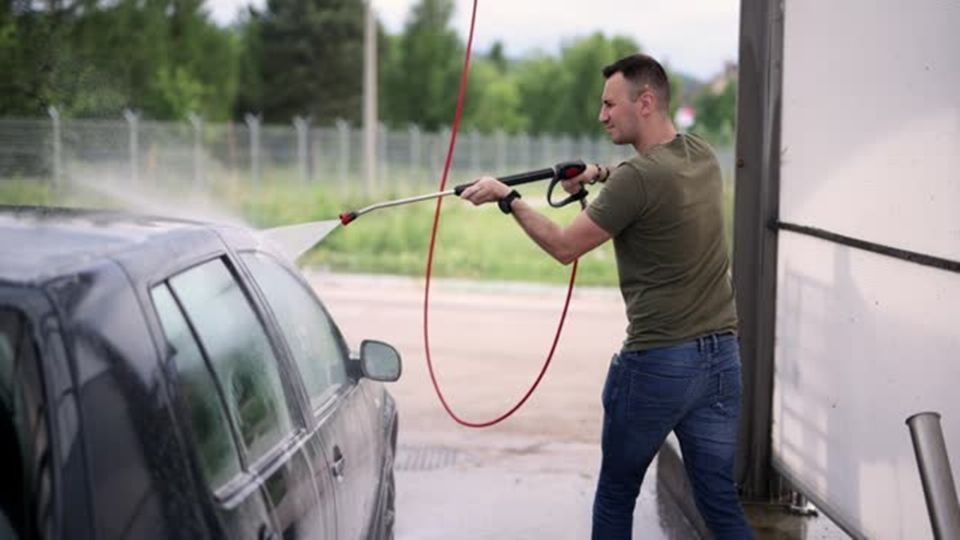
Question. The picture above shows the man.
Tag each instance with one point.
(679, 367)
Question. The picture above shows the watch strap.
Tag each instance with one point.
(506, 202)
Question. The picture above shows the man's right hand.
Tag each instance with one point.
(575, 184)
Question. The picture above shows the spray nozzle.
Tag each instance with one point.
(347, 217)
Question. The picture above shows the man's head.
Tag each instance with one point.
(636, 93)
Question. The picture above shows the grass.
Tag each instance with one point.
(474, 243)
(26, 192)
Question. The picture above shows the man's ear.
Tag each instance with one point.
(648, 103)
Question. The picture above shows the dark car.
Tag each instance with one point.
(171, 379)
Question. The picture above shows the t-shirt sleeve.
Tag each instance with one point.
(620, 202)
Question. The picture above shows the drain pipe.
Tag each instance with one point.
(938, 487)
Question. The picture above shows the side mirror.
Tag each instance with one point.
(379, 361)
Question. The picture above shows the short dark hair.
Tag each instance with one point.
(642, 70)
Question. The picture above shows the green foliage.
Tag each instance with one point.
(30, 192)
(717, 114)
(420, 82)
(97, 57)
(541, 80)
(562, 95)
(307, 57)
(493, 100)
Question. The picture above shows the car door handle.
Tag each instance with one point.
(338, 463)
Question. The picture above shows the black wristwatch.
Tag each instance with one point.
(505, 202)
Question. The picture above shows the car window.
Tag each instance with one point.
(308, 330)
(239, 351)
(199, 394)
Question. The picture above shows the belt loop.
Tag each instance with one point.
(715, 338)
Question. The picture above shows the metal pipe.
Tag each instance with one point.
(347, 217)
(407, 200)
(936, 475)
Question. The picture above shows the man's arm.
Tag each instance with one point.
(563, 244)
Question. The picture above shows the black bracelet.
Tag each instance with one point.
(594, 178)
(597, 177)
(505, 202)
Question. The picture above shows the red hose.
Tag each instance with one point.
(433, 238)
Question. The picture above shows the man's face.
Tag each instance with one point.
(619, 111)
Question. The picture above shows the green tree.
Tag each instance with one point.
(541, 84)
(717, 113)
(562, 95)
(498, 56)
(420, 82)
(309, 58)
(493, 98)
(95, 58)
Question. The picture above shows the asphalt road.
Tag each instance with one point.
(531, 476)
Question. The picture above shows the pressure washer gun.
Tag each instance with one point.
(558, 173)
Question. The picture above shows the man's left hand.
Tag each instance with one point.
(485, 189)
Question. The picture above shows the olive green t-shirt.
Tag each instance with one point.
(664, 210)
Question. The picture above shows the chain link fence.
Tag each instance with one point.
(137, 153)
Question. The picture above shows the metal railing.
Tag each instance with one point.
(136, 152)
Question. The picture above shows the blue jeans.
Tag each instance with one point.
(692, 389)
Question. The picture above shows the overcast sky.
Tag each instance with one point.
(693, 36)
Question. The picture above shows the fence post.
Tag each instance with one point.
(370, 158)
(343, 154)
(133, 119)
(501, 153)
(584, 150)
(546, 147)
(57, 148)
(199, 180)
(416, 173)
(253, 123)
(302, 125)
(935, 474)
(474, 153)
(442, 147)
(382, 182)
(527, 152)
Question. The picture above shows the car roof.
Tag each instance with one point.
(39, 243)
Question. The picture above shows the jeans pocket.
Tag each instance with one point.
(659, 388)
(728, 391)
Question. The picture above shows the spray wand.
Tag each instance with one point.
(556, 174)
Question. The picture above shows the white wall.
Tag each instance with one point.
(870, 149)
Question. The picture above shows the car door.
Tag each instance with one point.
(246, 428)
(346, 432)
